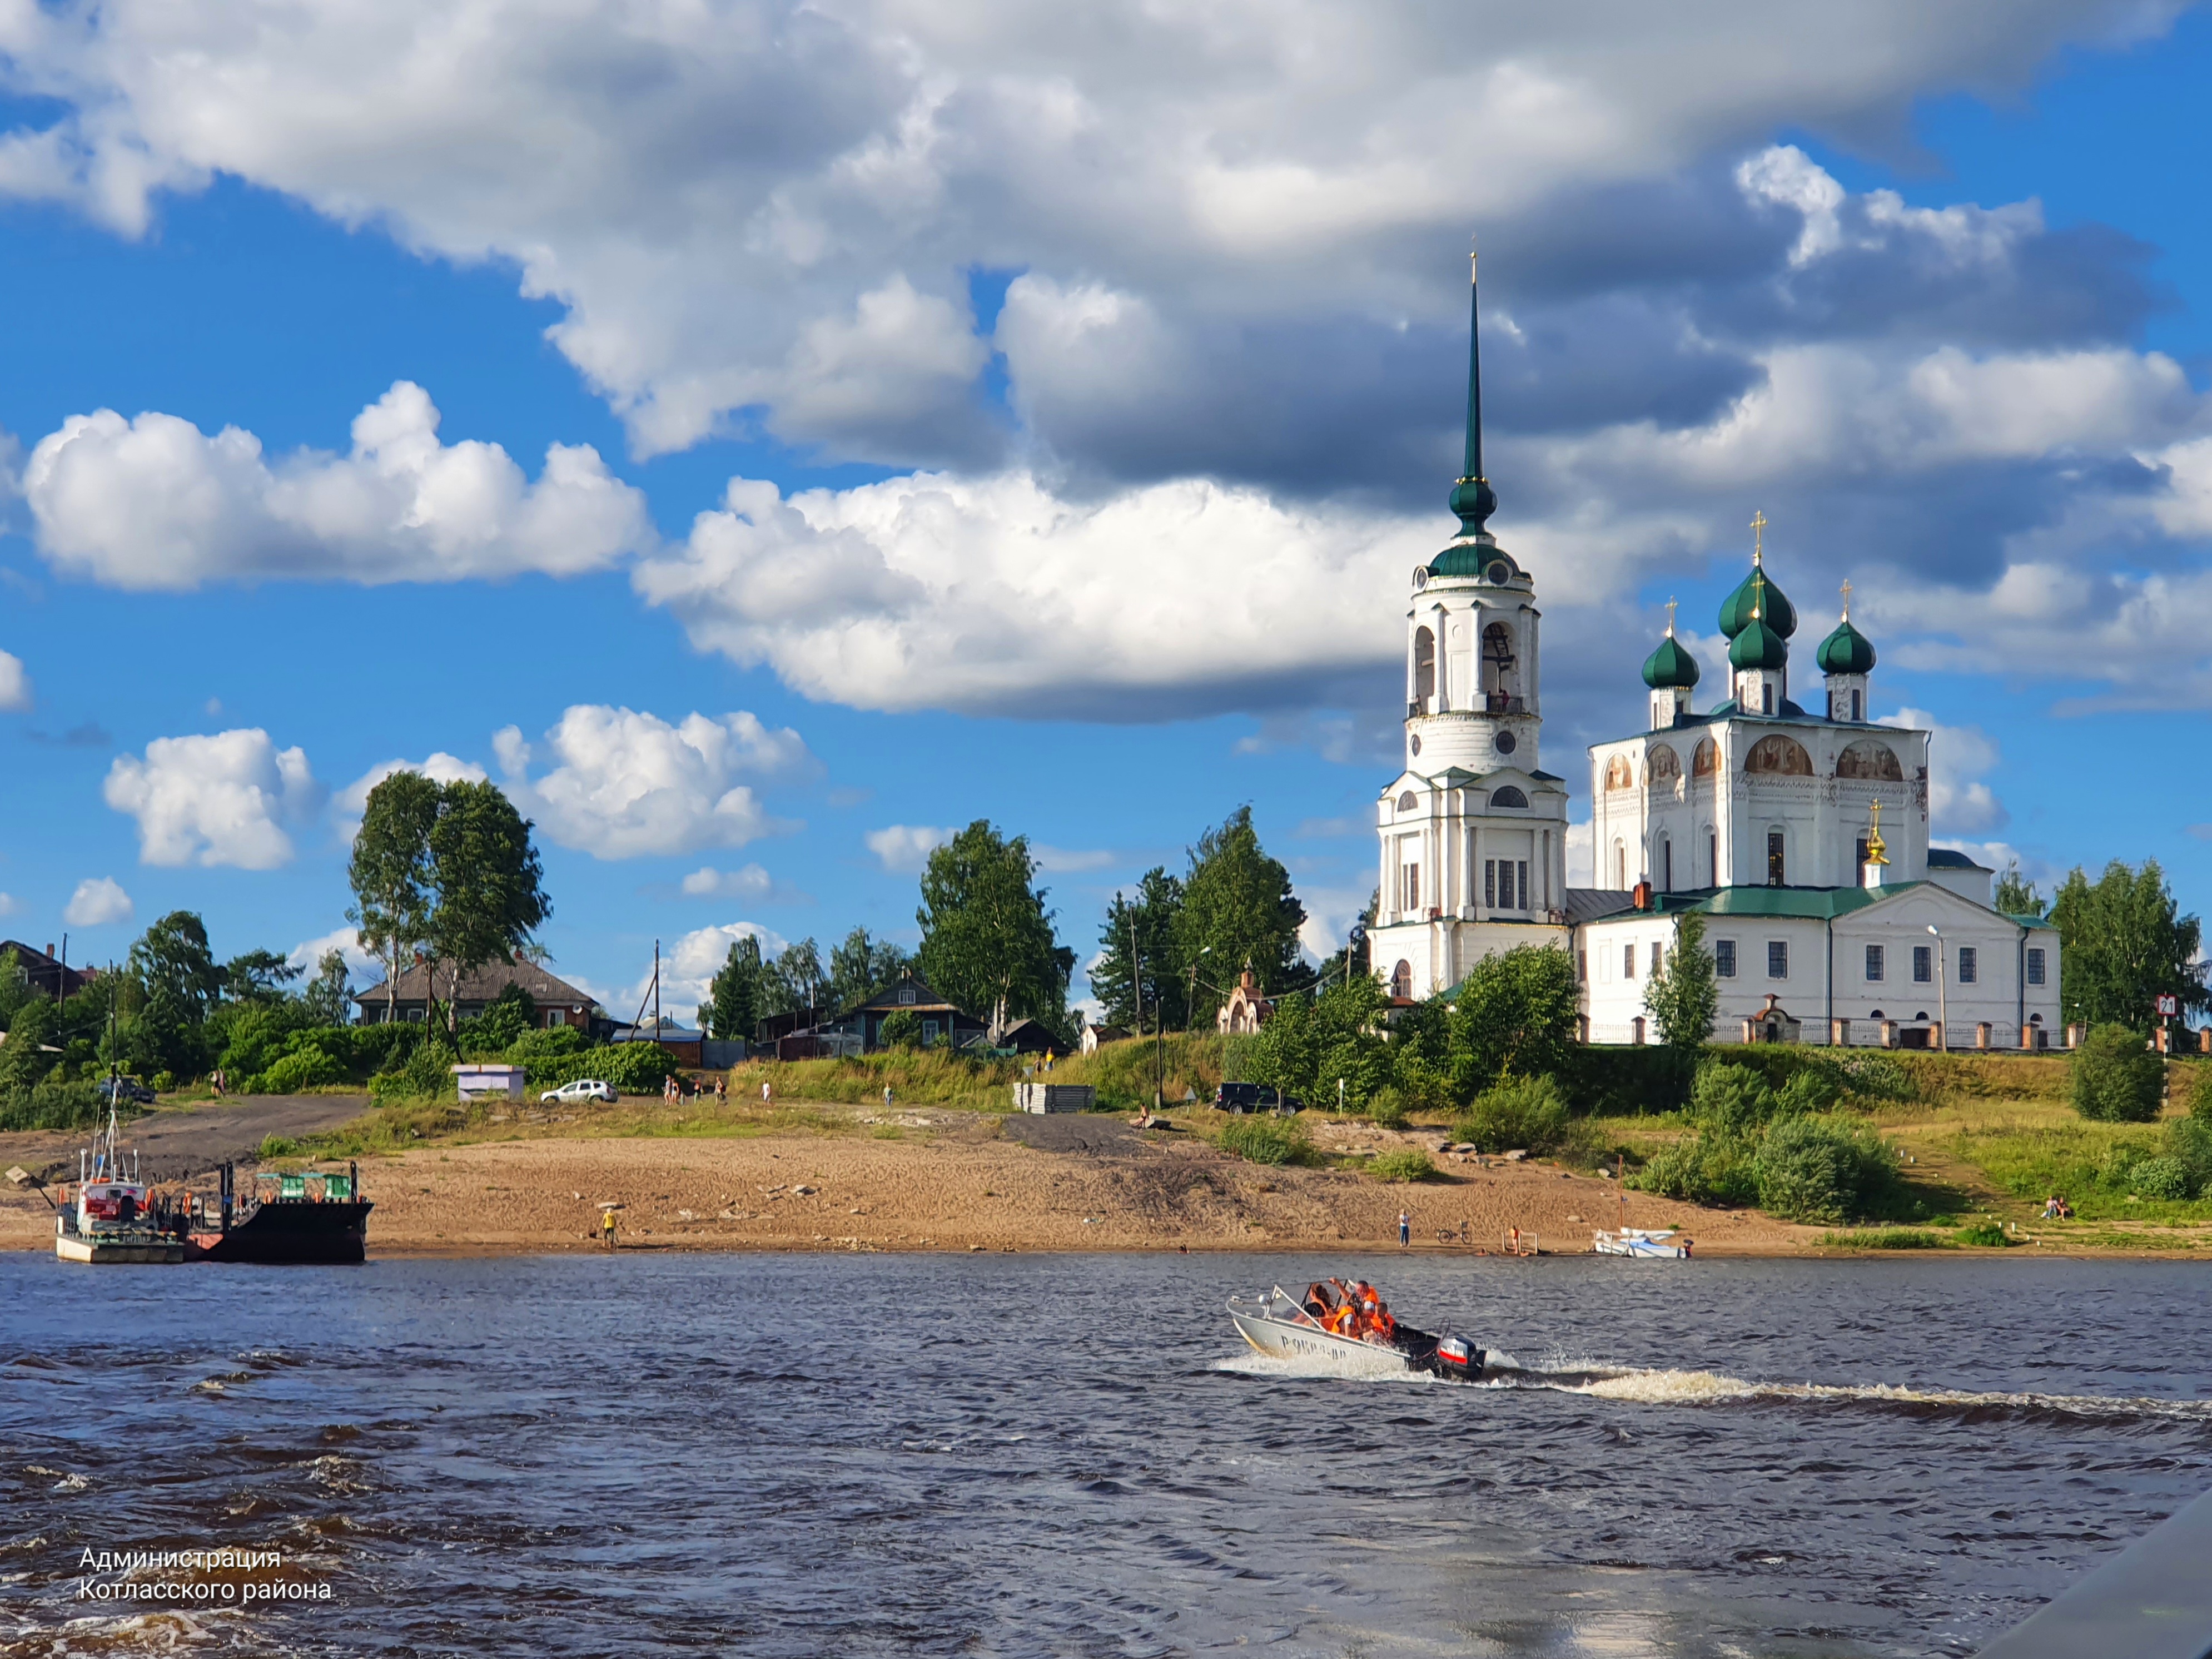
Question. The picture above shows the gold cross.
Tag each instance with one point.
(1847, 599)
(1670, 619)
(1757, 537)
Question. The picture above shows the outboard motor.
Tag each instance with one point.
(1457, 1360)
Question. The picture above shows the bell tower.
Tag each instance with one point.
(1472, 695)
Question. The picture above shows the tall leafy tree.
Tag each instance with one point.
(172, 959)
(390, 872)
(1682, 994)
(1138, 976)
(2122, 944)
(986, 938)
(1514, 1016)
(1237, 910)
(487, 880)
(862, 966)
(328, 998)
(256, 976)
(795, 977)
(2016, 895)
(735, 998)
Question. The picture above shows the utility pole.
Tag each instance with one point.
(1943, 990)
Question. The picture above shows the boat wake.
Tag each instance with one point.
(1652, 1386)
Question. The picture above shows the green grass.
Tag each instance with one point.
(1261, 1140)
(1888, 1239)
(2069, 1157)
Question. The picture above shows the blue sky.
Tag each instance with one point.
(1124, 440)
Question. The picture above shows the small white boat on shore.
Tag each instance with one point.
(1663, 1242)
(106, 1219)
(1369, 1341)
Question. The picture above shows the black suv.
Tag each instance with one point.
(1242, 1098)
(114, 1090)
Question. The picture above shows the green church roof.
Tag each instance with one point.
(1670, 665)
(1846, 650)
(1483, 557)
(1757, 595)
(1474, 553)
(1758, 646)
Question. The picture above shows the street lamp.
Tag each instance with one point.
(1191, 996)
(1943, 990)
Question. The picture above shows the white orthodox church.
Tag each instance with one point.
(1802, 835)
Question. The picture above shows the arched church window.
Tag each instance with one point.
(1507, 795)
(1664, 766)
(1406, 802)
(1499, 679)
(1620, 866)
(1706, 758)
(1424, 665)
(1619, 774)
(1868, 759)
(1401, 981)
(1779, 756)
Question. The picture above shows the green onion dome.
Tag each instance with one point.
(1756, 596)
(1846, 650)
(1670, 665)
(1484, 558)
(1758, 646)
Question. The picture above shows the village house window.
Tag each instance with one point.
(1658, 958)
(905, 995)
(928, 1032)
(1521, 869)
(1777, 958)
(1924, 964)
(1724, 958)
(1628, 962)
(2035, 964)
(1970, 964)
(1774, 860)
(1490, 883)
(1874, 962)
(1412, 874)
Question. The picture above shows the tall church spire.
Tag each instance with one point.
(1471, 497)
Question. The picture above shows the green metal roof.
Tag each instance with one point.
(1670, 665)
(1477, 557)
(1798, 904)
(1758, 646)
(1757, 594)
(1846, 650)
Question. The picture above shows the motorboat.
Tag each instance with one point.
(106, 1217)
(1663, 1242)
(1349, 1328)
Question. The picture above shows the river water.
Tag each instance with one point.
(1016, 1455)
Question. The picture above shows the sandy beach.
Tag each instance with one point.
(965, 1180)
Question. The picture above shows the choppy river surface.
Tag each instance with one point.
(1068, 1455)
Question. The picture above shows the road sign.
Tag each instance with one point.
(2169, 1006)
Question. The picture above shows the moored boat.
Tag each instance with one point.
(310, 1216)
(105, 1217)
(1661, 1243)
(1348, 1327)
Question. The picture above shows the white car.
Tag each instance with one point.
(584, 1088)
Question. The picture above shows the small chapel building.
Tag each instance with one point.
(1802, 834)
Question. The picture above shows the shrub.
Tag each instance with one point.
(1526, 1112)
(2163, 1177)
(1261, 1139)
(279, 1146)
(534, 1049)
(421, 1076)
(1730, 1099)
(1705, 1169)
(1812, 1169)
(1988, 1233)
(56, 1105)
(1875, 1076)
(901, 1029)
(2189, 1141)
(2116, 1077)
(2196, 1092)
(1887, 1238)
(1407, 1163)
(162, 1082)
(634, 1068)
(1387, 1107)
(304, 1067)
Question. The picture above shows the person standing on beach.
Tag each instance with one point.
(1405, 1229)
(607, 1228)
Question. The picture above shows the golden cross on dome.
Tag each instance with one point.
(1757, 537)
(1847, 599)
(1670, 619)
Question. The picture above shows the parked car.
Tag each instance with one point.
(1242, 1098)
(584, 1088)
(113, 1091)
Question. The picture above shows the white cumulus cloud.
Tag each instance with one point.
(749, 882)
(906, 847)
(154, 504)
(624, 784)
(14, 684)
(97, 901)
(308, 955)
(219, 800)
(687, 970)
